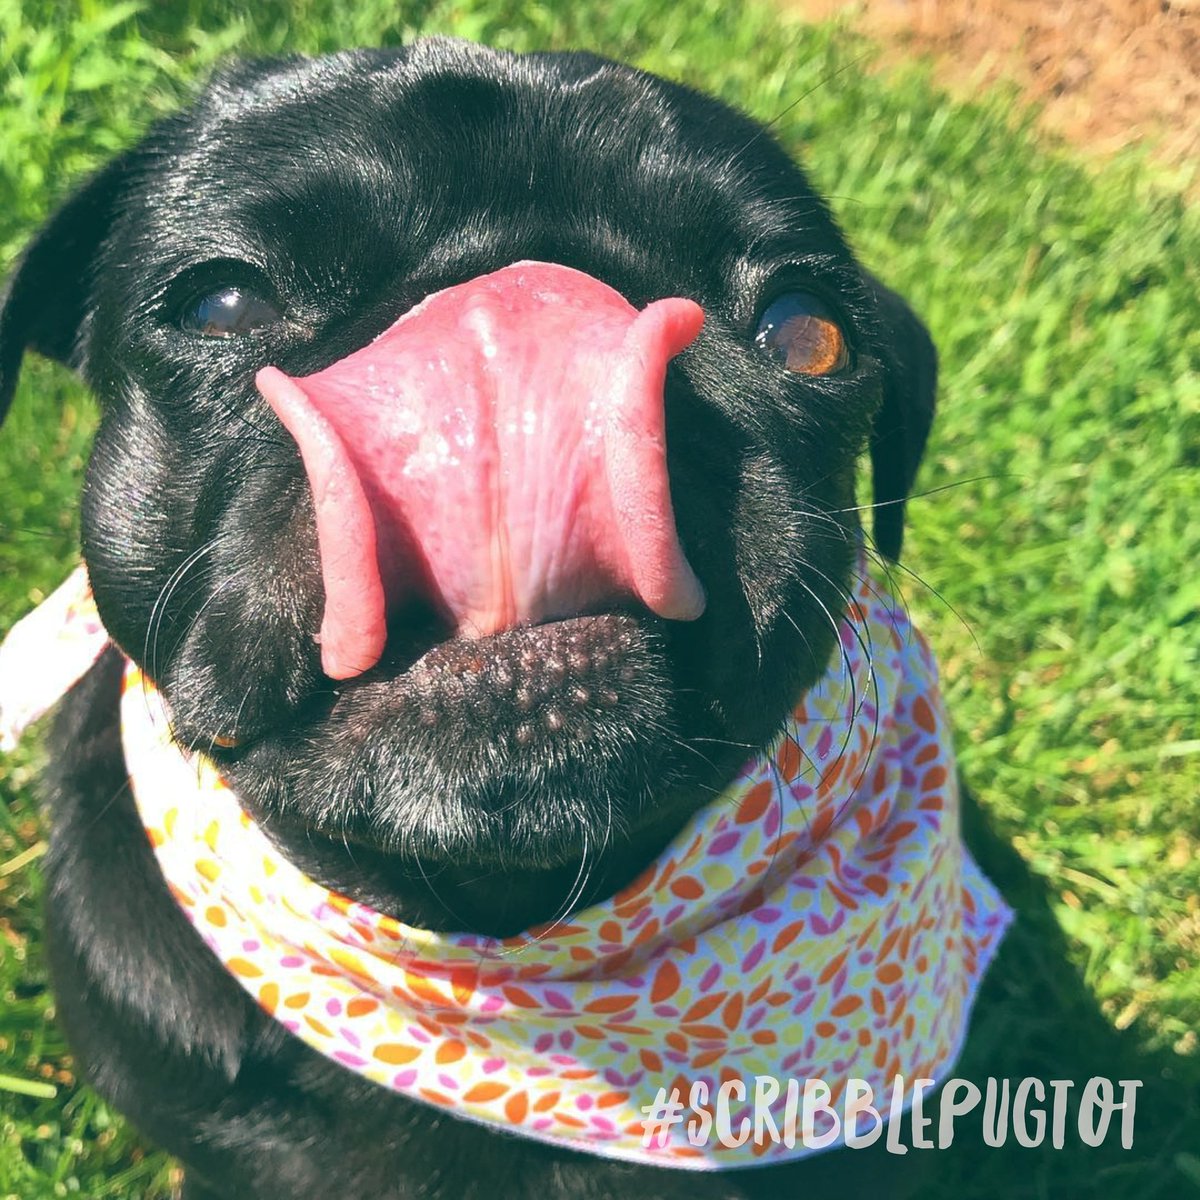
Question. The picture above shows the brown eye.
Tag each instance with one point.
(228, 312)
(801, 333)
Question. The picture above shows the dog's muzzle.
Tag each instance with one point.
(498, 454)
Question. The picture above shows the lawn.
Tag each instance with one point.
(1053, 555)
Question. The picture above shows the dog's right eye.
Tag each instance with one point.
(228, 312)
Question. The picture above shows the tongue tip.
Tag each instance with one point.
(353, 635)
(676, 320)
(679, 598)
(340, 664)
(353, 628)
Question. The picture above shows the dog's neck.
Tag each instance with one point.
(488, 898)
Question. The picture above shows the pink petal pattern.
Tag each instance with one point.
(46, 653)
(822, 918)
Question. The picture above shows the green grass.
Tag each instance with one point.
(1062, 295)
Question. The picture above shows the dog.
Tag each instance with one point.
(286, 220)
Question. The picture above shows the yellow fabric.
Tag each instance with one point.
(820, 919)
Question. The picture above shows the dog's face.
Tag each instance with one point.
(297, 211)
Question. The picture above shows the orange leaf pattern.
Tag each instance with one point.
(820, 919)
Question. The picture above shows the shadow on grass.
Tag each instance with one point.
(1036, 1018)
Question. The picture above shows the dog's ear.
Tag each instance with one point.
(45, 300)
(905, 417)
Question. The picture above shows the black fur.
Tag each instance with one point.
(345, 189)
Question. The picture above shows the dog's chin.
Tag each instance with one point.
(538, 751)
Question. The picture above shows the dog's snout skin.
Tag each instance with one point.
(454, 789)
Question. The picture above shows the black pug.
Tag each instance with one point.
(287, 217)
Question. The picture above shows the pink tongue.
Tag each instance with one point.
(500, 452)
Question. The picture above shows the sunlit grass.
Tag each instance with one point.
(1063, 299)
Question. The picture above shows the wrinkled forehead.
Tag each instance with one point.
(457, 157)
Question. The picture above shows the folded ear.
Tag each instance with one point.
(44, 304)
(905, 417)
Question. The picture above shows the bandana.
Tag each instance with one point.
(820, 919)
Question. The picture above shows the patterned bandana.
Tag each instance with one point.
(820, 919)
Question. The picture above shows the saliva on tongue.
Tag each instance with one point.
(500, 453)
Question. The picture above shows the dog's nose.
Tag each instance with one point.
(499, 452)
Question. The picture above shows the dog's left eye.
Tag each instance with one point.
(799, 331)
(229, 312)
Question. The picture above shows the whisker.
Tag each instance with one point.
(577, 889)
(107, 807)
(856, 700)
(944, 487)
(941, 600)
(158, 611)
(823, 82)
(433, 891)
